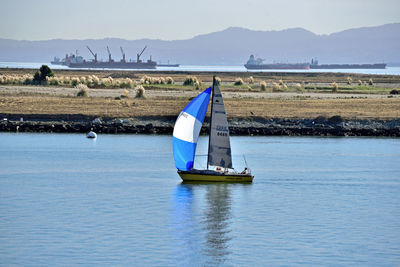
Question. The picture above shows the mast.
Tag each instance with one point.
(209, 128)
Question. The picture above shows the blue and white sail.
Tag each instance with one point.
(187, 129)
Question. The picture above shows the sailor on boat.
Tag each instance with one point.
(186, 132)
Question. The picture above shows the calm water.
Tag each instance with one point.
(117, 201)
(241, 68)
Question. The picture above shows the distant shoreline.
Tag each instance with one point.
(204, 69)
(289, 103)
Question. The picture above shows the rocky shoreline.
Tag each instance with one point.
(320, 126)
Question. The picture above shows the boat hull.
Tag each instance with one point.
(114, 65)
(349, 66)
(168, 65)
(210, 176)
(278, 66)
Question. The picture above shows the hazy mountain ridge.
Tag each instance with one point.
(231, 46)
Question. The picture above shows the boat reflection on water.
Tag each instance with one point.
(186, 230)
(216, 223)
(202, 220)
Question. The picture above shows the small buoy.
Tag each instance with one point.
(91, 134)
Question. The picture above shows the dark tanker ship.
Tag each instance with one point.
(76, 61)
(257, 64)
(314, 65)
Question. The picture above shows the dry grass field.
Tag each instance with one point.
(242, 101)
(379, 108)
(179, 76)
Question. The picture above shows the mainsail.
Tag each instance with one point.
(219, 149)
(187, 130)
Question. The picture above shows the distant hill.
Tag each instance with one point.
(231, 46)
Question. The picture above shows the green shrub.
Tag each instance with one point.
(96, 80)
(276, 87)
(106, 82)
(126, 93)
(75, 81)
(335, 87)
(66, 80)
(238, 81)
(263, 86)
(218, 80)
(349, 80)
(28, 81)
(82, 90)
(45, 72)
(190, 80)
(197, 85)
(140, 92)
(53, 81)
(42, 75)
(299, 88)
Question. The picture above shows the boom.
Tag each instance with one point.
(138, 55)
(94, 55)
(123, 55)
(109, 55)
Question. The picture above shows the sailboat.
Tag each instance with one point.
(186, 133)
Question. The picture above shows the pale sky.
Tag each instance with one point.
(183, 19)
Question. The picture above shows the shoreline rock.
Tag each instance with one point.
(320, 126)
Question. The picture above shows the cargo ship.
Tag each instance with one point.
(58, 61)
(314, 65)
(77, 61)
(257, 64)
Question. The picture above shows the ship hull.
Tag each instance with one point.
(298, 66)
(114, 65)
(213, 176)
(57, 63)
(349, 66)
(168, 65)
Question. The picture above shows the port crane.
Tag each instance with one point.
(123, 55)
(94, 55)
(109, 55)
(138, 55)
